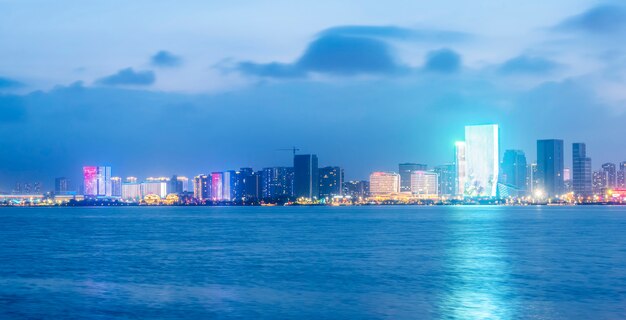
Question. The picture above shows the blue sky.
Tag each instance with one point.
(156, 88)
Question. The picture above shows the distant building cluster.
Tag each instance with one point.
(476, 172)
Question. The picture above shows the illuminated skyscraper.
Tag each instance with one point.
(116, 186)
(482, 164)
(306, 175)
(97, 181)
(405, 170)
(131, 190)
(330, 182)
(217, 185)
(61, 185)
(460, 167)
(383, 183)
(446, 178)
(514, 170)
(424, 183)
(155, 186)
(581, 171)
(277, 182)
(610, 171)
(202, 187)
(550, 167)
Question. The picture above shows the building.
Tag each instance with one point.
(610, 172)
(131, 190)
(621, 175)
(514, 170)
(446, 179)
(306, 175)
(61, 185)
(384, 183)
(217, 186)
(599, 182)
(202, 187)
(356, 189)
(330, 182)
(460, 167)
(424, 184)
(531, 178)
(405, 170)
(178, 184)
(277, 182)
(582, 185)
(249, 184)
(482, 164)
(116, 186)
(97, 181)
(154, 186)
(550, 165)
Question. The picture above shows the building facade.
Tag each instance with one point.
(330, 182)
(405, 170)
(306, 175)
(384, 183)
(582, 178)
(550, 165)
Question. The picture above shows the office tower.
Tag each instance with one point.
(581, 171)
(382, 183)
(460, 167)
(621, 175)
(306, 175)
(424, 183)
(356, 189)
(131, 190)
(405, 170)
(178, 184)
(531, 178)
(97, 181)
(599, 182)
(330, 182)
(116, 186)
(446, 179)
(230, 185)
(277, 182)
(61, 185)
(202, 187)
(610, 173)
(514, 170)
(156, 186)
(249, 184)
(550, 166)
(217, 186)
(482, 164)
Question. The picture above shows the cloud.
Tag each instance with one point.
(352, 50)
(6, 83)
(443, 60)
(603, 19)
(165, 59)
(525, 64)
(128, 76)
(11, 109)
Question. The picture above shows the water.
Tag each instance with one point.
(313, 262)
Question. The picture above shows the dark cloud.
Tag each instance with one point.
(6, 83)
(603, 19)
(528, 65)
(350, 50)
(165, 59)
(128, 76)
(443, 61)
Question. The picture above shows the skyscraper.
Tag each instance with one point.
(482, 164)
(202, 187)
(217, 186)
(424, 183)
(621, 175)
(514, 169)
(97, 181)
(306, 175)
(61, 185)
(330, 182)
(581, 171)
(405, 170)
(116, 186)
(550, 166)
(384, 183)
(250, 184)
(460, 167)
(446, 179)
(610, 172)
(277, 182)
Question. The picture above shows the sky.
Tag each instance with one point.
(155, 88)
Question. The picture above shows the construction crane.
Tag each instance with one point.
(293, 149)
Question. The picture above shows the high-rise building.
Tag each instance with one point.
(217, 186)
(97, 181)
(531, 178)
(621, 175)
(131, 190)
(277, 182)
(249, 184)
(155, 186)
(116, 186)
(482, 164)
(356, 189)
(424, 183)
(514, 169)
(330, 182)
(178, 184)
(460, 163)
(581, 171)
(610, 171)
(405, 170)
(446, 178)
(306, 175)
(61, 185)
(202, 187)
(550, 165)
(384, 183)
(599, 182)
